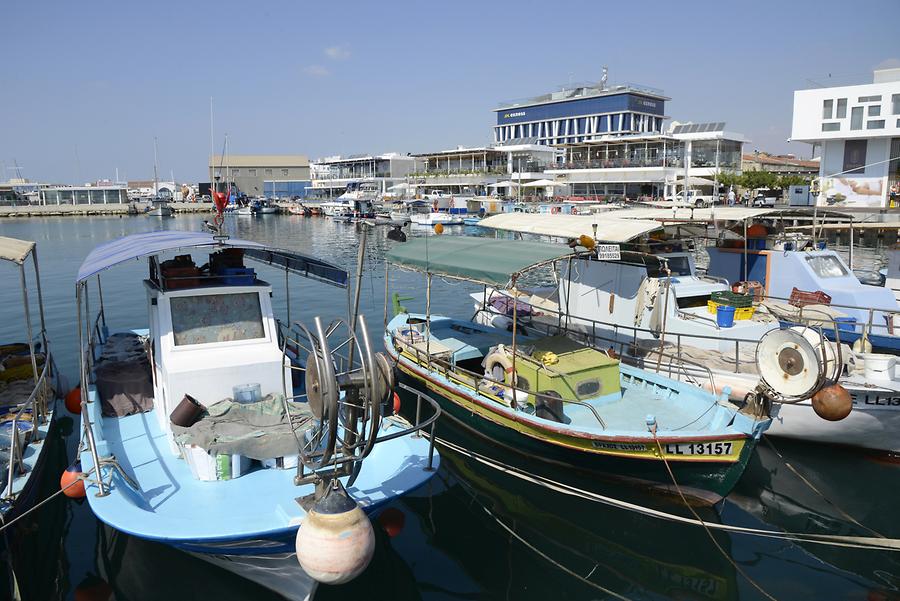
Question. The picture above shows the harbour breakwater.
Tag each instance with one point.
(98, 209)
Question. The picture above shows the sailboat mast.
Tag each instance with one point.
(155, 169)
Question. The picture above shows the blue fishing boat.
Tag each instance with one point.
(233, 435)
(557, 400)
(29, 387)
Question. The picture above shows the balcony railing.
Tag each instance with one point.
(621, 163)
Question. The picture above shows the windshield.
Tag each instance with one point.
(216, 318)
(826, 266)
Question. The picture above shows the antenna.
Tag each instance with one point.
(604, 77)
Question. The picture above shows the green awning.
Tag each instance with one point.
(484, 260)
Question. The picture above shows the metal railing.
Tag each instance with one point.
(34, 404)
(478, 379)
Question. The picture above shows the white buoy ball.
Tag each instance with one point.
(335, 541)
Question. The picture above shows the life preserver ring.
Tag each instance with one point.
(574, 210)
(500, 359)
(554, 209)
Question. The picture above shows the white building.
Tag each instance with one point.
(331, 175)
(652, 165)
(475, 171)
(858, 129)
(89, 194)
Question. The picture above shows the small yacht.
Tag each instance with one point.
(345, 204)
(160, 207)
(223, 431)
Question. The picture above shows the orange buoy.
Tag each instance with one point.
(72, 474)
(73, 400)
(392, 520)
(396, 403)
(93, 588)
(438, 228)
(832, 403)
(586, 241)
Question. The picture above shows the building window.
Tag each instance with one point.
(831, 127)
(855, 156)
(235, 172)
(875, 110)
(827, 109)
(870, 98)
(856, 117)
(895, 101)
(284, 172)
(252, 172)
(841, 109)
(877, 124)
(268, 172)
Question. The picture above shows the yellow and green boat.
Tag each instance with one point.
(554, 399)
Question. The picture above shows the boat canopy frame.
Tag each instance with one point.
(151, 244)
(16, 251)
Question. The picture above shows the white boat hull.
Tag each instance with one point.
(433, 219)
(164, 212)
(280, 573)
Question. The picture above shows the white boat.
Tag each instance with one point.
(432, 218)
(160, 208)
(214, 356)
(244, 210)
(637, 306)
(266, 207)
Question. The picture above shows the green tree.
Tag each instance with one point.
(786, 181)
(758, 179)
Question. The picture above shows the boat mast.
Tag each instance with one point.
(155, 170)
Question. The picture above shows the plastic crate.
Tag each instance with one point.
(739, 312)
(801, 298)
(753, 288)
(237, 276)
(727, 297)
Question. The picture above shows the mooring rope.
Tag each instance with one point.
(703, 523)
(833, 540)
(812, 486)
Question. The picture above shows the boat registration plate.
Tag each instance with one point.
(699, 448)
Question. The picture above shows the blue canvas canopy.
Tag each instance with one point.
(137, 246)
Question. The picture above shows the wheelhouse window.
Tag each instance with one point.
(827, 266)
(207, 318)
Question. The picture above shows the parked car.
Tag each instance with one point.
(694, 199)
(761, 200)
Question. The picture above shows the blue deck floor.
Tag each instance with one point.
(174, 506)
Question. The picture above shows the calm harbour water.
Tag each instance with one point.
(473, 532)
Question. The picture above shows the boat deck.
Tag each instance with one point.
(173, 506)
(679, 409)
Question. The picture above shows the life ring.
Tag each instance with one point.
(513, 397)
(574, 210)
(554, 209)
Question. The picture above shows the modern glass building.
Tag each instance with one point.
(84, 195)
(581, 112)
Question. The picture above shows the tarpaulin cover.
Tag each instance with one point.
(137, 246)
(484, 260)
(12, 249)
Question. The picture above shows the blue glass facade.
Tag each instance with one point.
(579, 118)
(286, 189)
(616, 103)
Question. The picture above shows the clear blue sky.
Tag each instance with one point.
(87, 85)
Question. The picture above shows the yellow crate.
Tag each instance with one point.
(742, 313)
